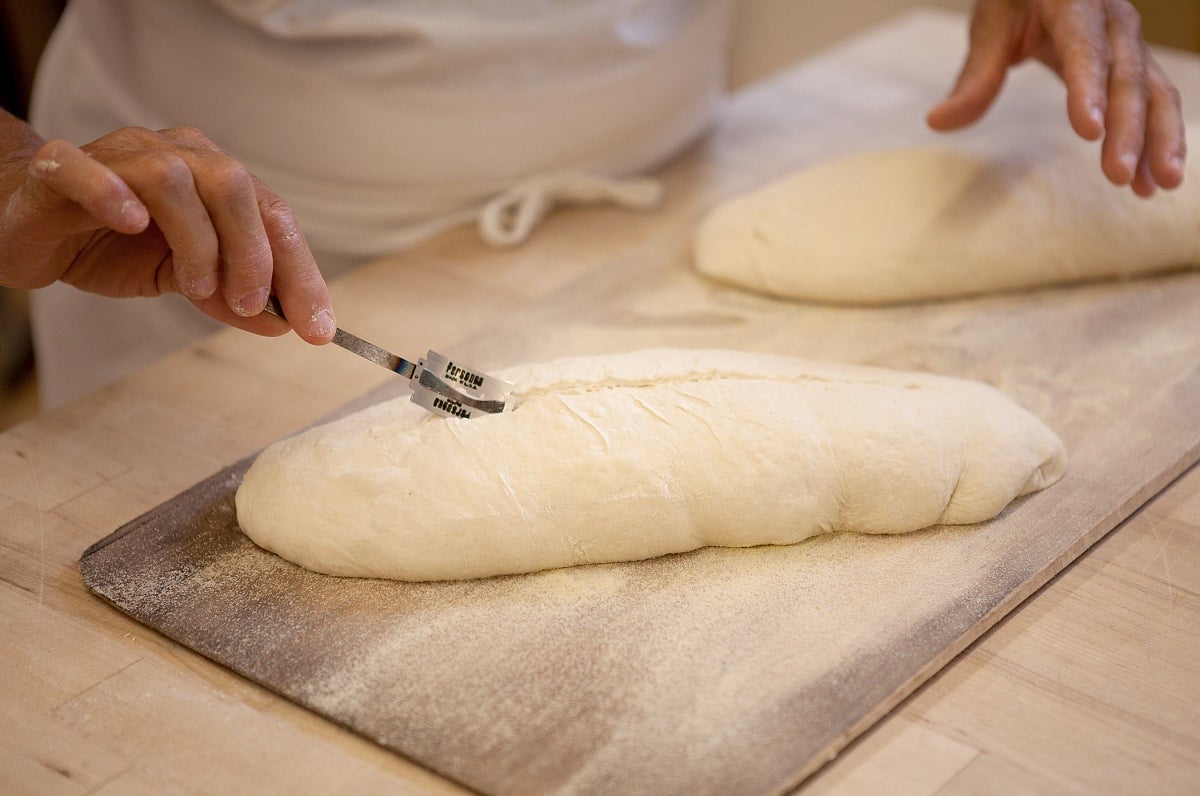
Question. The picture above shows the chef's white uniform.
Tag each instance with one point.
(381, 122)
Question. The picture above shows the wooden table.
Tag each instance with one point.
(1090, 685)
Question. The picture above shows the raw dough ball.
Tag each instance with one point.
(638, 455)
(915, 224)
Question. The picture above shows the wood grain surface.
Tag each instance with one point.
(717, 670)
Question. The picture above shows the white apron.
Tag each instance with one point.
(381, 122)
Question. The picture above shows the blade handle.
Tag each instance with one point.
(356, 345)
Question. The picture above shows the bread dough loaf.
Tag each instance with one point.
(903, 225)
(638, 455)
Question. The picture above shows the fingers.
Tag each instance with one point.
(204, 203)
(171, 193)
(1128, 97)
(1166, 138)
(991, 53)
(1115, 89)
(1160, 158)
(60, 171)
(139, 213)
(293, 276)
(1080, 51)
(63, 194)
(297, 279)
(1144, 137)
(59, 194)
(245, 250)
(231, 240)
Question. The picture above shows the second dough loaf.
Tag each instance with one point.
(913, 224)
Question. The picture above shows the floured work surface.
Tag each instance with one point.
(719, 670)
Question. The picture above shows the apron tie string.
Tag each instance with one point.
(510, 217)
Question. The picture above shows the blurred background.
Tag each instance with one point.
(768, 35)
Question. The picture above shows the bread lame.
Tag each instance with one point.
(439, 384)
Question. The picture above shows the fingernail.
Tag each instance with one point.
(252, 303)
(322, 324)
(204, 286)
(1129, 162)
(1176, 163)
(134, 212)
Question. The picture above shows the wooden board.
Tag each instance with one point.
(719, 670)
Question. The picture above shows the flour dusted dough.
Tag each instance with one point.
(638, 455)
(912, 224)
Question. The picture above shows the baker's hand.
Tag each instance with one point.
(142, 213)
(1115, 88)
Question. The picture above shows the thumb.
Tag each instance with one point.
(993, 30)
(62, 194)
